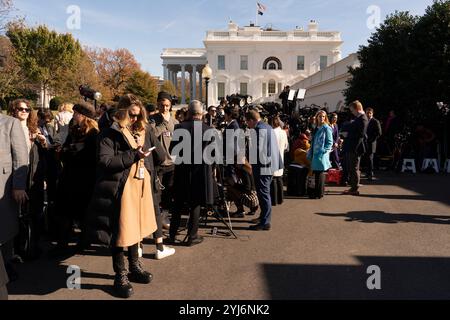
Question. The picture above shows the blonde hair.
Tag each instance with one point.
(327, 121)
(88, 124)
(357, 106)
(68, 107)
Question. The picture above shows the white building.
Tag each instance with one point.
(252, 60)
(326, 87)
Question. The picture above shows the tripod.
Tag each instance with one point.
(220, 211)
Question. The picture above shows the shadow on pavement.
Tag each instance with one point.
(401, 278)
(39, 278)
(432, 187)
(384, 217)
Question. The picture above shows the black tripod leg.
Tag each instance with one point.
(219, 218)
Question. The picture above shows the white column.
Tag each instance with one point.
(166, 72)
(190, 85)
(175, 79)
(183, 84)
(200, 84)
(194, 82)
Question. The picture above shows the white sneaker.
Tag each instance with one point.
(168, 251)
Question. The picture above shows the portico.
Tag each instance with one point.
(190, 63)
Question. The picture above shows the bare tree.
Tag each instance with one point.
(6, 6)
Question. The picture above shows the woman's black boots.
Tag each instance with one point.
(122, 286)
(137, 273)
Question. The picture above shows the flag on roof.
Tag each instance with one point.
(261, 8)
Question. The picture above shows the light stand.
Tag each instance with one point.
(207, 74)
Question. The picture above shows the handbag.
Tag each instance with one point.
(250, 200)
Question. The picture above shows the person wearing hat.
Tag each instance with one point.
(77, 180)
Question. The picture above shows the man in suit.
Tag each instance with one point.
(3, 280)
(268, 161)
(374, 132)
(355, 146)
(13, 179)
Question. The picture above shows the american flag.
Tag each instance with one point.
(261, 8)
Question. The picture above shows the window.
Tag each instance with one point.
(272, 87)
(244, 62)
(221, 90)
(221, 62)
(323, 62)
(244, 88)
(264, 89)
(270, 62)
(300, 62)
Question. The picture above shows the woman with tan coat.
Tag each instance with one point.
(123, 202)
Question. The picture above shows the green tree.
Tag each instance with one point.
(382, 80)
(144, 86)
(45, 56)
(405, 66)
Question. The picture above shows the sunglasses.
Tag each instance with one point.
(133, 116)
(23, 110)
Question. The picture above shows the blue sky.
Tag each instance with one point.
(145, 27)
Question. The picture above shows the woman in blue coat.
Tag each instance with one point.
(319, 154)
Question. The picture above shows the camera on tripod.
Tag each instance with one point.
(89, 93)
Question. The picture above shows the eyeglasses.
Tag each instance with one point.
(27, 110)
(133, 116)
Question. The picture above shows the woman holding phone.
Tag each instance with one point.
(138, 120)
(124, 205)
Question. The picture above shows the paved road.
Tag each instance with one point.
(318, 249)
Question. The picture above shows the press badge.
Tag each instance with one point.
(141, 173)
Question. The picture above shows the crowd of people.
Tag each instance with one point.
(112, 175)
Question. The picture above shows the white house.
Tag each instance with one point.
(252, 60)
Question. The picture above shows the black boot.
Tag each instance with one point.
(122, 286)
(137, 273)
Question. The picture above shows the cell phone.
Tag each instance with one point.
(151, 149)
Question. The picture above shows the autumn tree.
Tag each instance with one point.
(168, 87)
(84, 74)
(9, 70)
(114, 67)
(144, 86)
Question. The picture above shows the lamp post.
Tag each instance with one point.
(207, 74)
(445, 110)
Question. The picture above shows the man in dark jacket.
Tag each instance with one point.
(284, 96)
(268, 161)
(194, 185)
(163, 125)
(373, 133)
(355, 146)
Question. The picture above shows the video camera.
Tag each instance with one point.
(89, 93)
